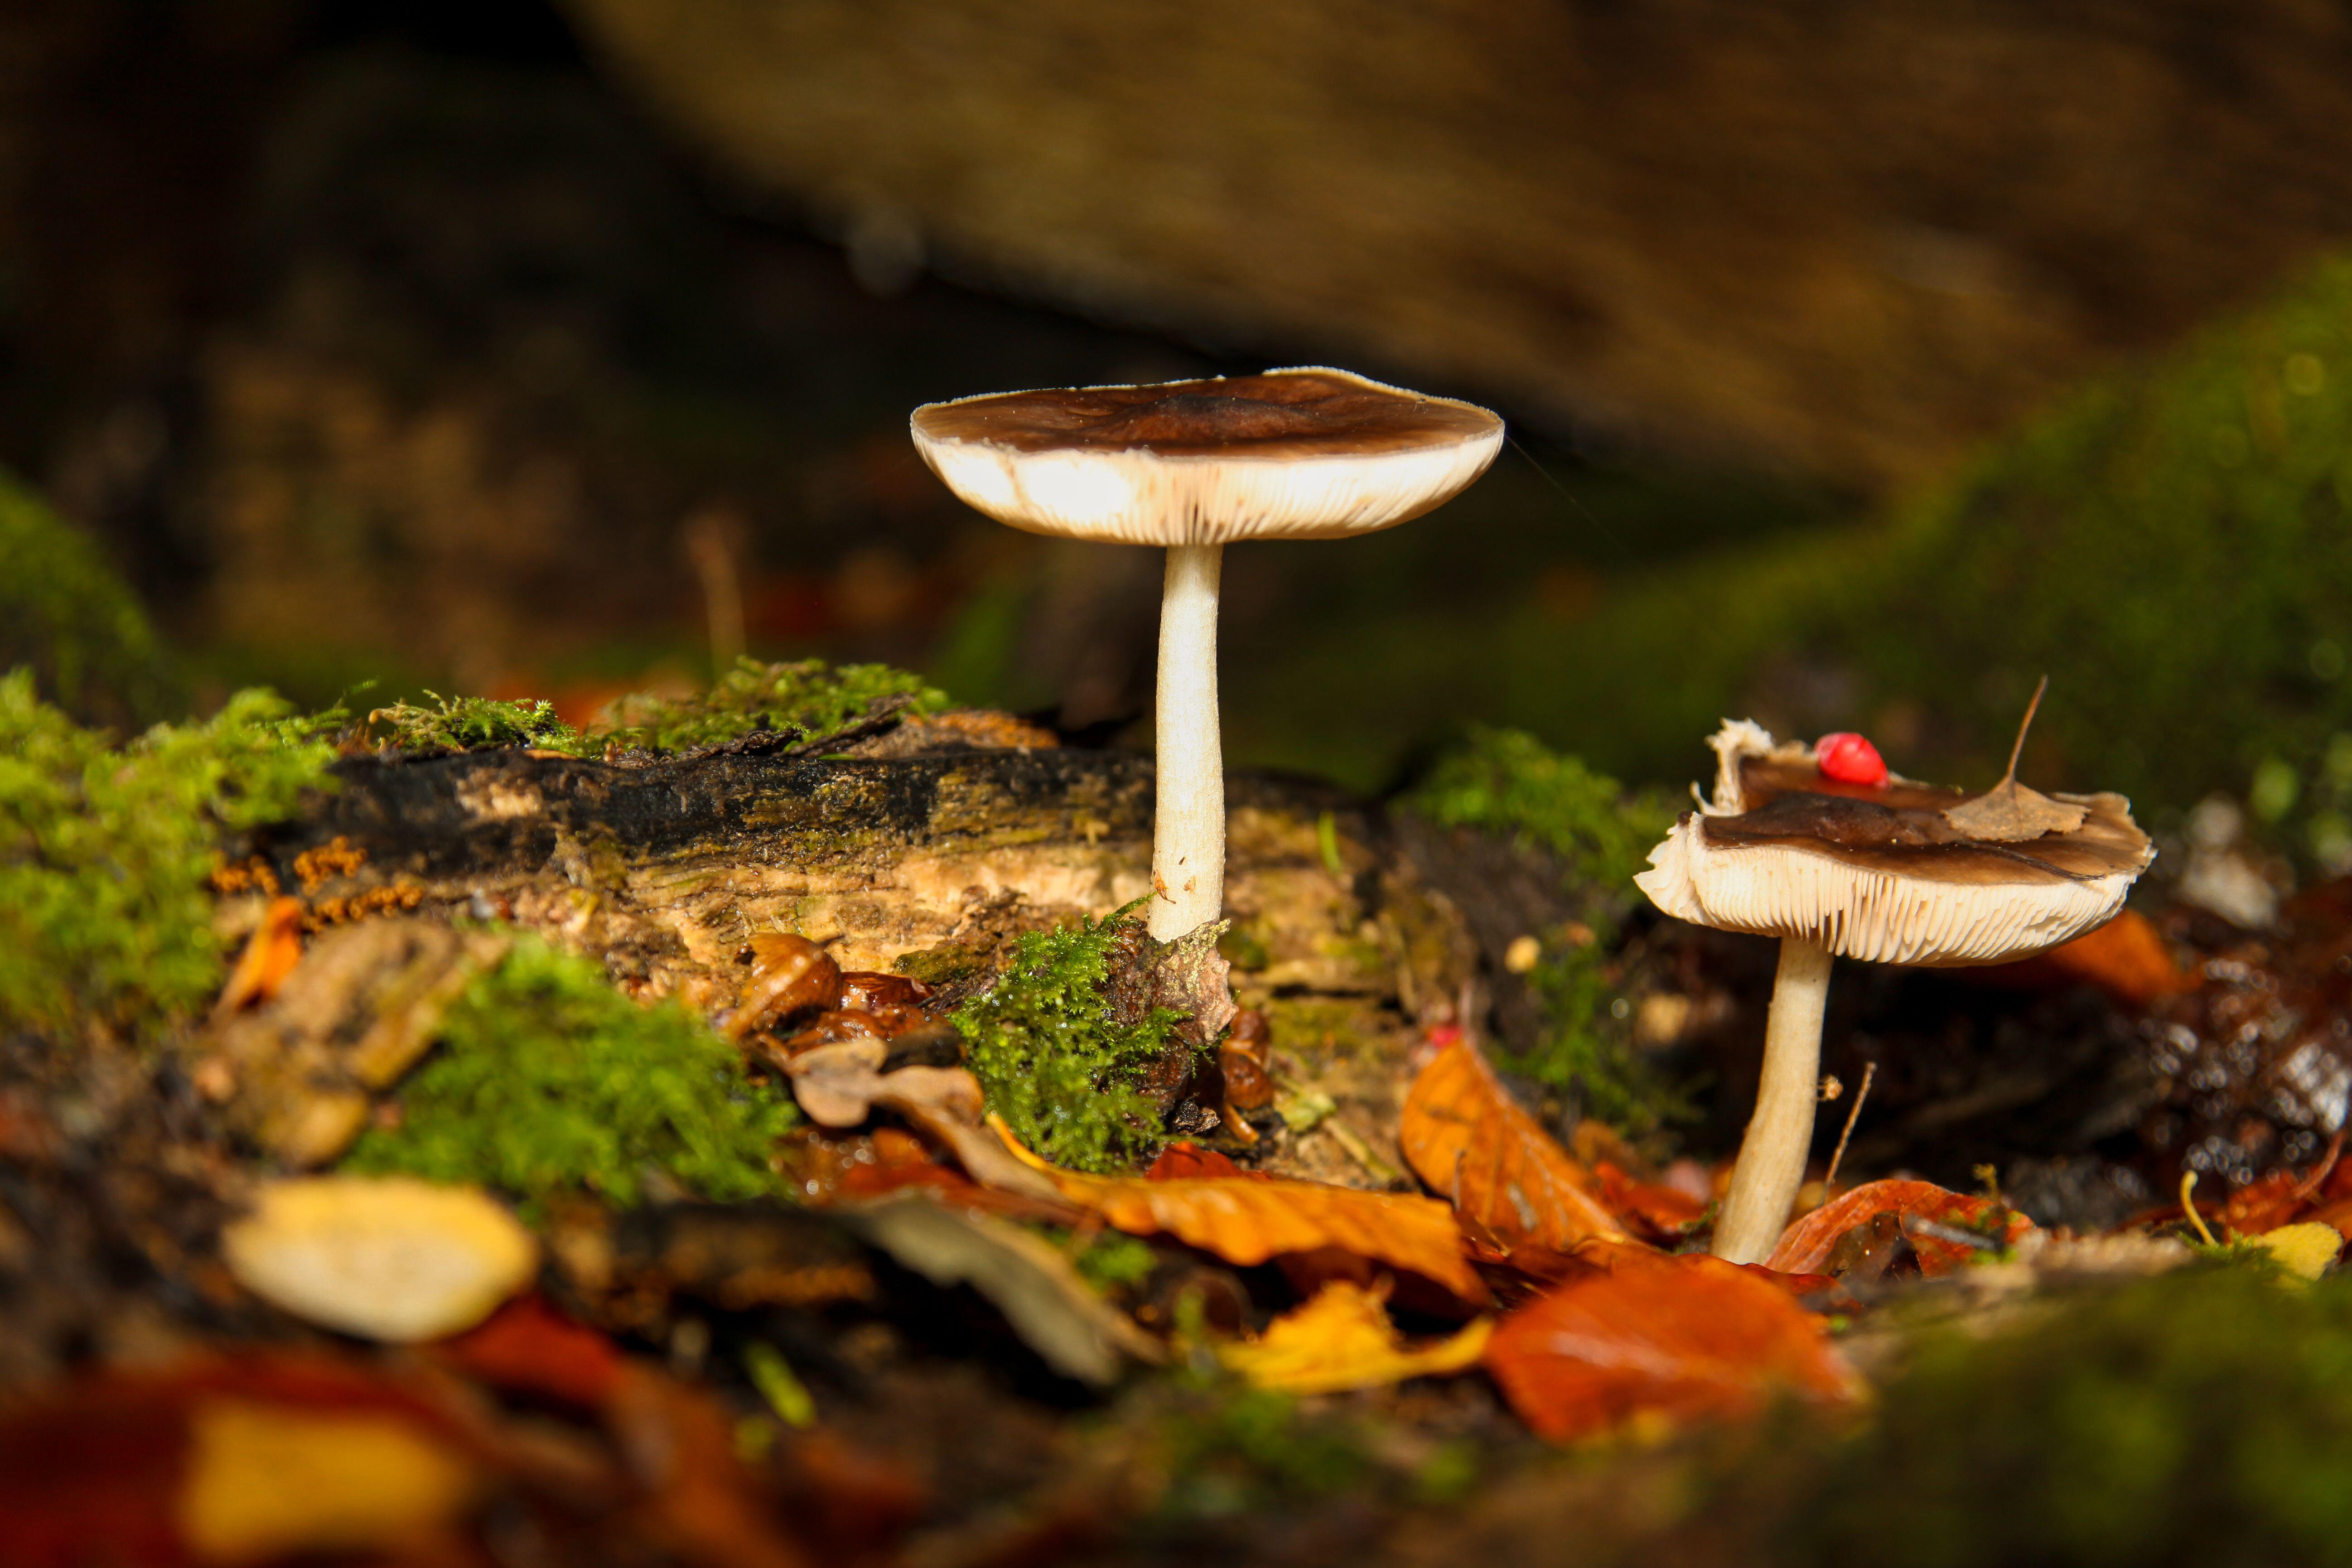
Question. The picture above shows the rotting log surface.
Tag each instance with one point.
(664, 869)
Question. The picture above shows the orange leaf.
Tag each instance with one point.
(1183, 1159)
(1342, 1340)
(1466, 1138)
(269, 956)
(1675, 1339)
(2126, 958)
(1249, 1219)
(1805, 1245)
(1662, 1212)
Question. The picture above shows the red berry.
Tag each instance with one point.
(1850, 759)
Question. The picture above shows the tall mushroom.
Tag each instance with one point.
(1896, 872)
(1194, 465)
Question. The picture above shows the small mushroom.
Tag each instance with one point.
(1191, 466)
(1880, 872)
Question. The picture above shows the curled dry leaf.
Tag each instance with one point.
(1342, 1340)
(1249, 1219)
(1680, 1340)
(1054, 1311)
(789, 974)
(1466, 1138)
(1805, 1245)
(840, 1085)
(269, 956)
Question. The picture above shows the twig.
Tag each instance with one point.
(1869, 1071)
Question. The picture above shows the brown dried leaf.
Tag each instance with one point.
(1466, 1138)
(1676, 1340)
(2009, 813)
(1805, 1245)
(1248, 1220)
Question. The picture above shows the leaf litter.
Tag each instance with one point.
(694, 1353)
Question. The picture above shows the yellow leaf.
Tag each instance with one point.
(266, 1480)
(1342, 1340)
(2303, 1250)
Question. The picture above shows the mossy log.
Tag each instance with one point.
(925, 864)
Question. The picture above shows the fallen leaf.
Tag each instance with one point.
(269, 956)
(2305, 1251)
(1053, 1310)
(1342, 1340)
(2128, 958)
(1248, 1220)
(1805, 1245)
(529, 1347)
(789, 975)
(1466, 1138)
(1182, 1160)
(840, 1085)
(1676, 1340)
(120, 1467)
(268, 1480)
(2011, 813)
(1663, 1212)
(385, 1257)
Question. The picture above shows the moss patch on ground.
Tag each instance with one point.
(547, 1080)
(1060, 1057)
(2194, 1418)
(105, 850)
(1509, 783)
(65, 615)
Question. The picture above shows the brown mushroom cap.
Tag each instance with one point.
(1296, 454)
(1881, 873)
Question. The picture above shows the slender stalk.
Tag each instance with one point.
(1188, 831)
(1772, 1157)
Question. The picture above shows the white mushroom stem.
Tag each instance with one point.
(1188, 831)
(1781, 1135)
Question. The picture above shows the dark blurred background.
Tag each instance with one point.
(1865, 361)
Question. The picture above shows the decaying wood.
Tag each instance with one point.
(667, 871)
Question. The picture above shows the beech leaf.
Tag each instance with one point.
(1342, 1340)
(1250, 1219)
(1466, 1138)
(1674, 1340)
(1805, 1245)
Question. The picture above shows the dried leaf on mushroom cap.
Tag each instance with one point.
(2009, 813)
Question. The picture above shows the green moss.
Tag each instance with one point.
(1233, 1449)
(940, 967)
(809, 696)
(68, 618)
(1511, 784)
(546, 1079)
(1113, 1260)
(105, 850)
(474, 723)
(1508, 782)
(2203, 1418)
(1059, 1057)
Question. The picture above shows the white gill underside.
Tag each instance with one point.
(1858, 912)
(1140, 498)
